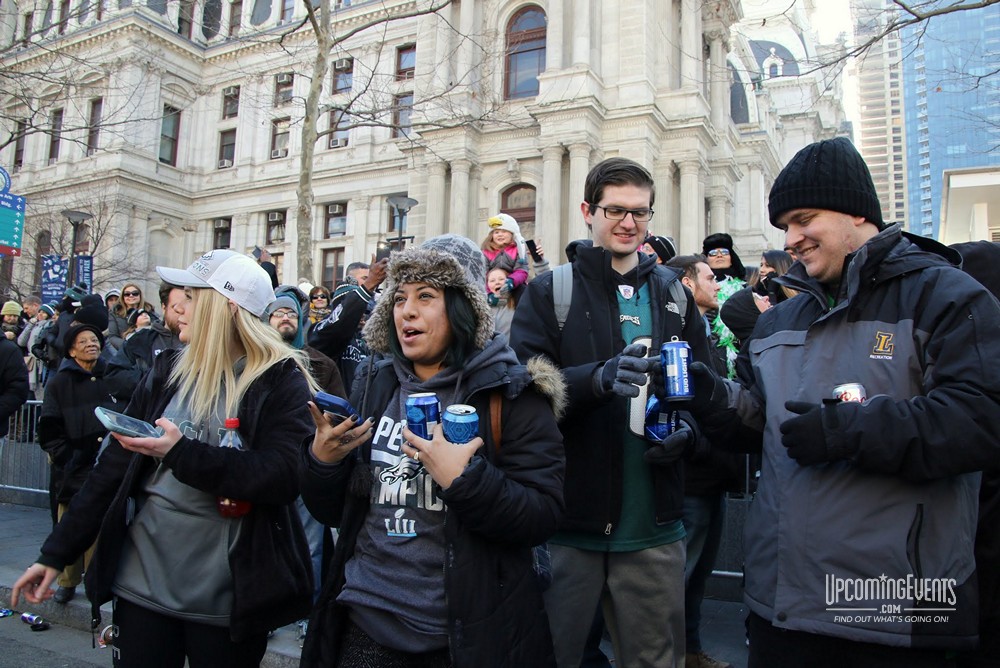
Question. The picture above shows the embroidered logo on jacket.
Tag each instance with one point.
(883, 346)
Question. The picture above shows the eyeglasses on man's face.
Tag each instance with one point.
(131, 293)
(616, 214)
(284, 314)
(716, 252)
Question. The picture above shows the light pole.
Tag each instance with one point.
(75, 218)
(402, 205)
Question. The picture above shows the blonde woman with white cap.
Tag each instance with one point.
(188, 582)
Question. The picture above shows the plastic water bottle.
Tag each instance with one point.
(231, 439)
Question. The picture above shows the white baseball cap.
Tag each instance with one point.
(231, 274)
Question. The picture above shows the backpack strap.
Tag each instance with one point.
(562, 291)
(496, 429)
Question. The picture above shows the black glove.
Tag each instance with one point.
(808, 436)
(671, 448)
(710, 394)
(623, 373)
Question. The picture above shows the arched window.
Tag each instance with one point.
(518, 201)
(525, 53)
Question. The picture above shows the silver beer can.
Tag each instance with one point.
(850, 392)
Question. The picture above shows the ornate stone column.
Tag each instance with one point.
(718, 207)
(579, 165)
(691, 208)
(720, 80)
(690, 43)
(459, 218)
(436, 211)
(581, 32)
(554, 35)
(548, 226)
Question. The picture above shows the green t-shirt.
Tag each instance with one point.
(637, 528)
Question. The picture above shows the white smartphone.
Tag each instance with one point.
(128, 426)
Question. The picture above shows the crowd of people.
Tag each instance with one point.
(850, 372)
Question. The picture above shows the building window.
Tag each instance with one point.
(525, 53)
(336, 220)
(279, 137)
(276, 227)
(170, 131)
(402, 108)
(221, 232)
(406, 61)
(94, 125)
(278, 259)
(338, 137)
(343, 75)
(230, 101)
(287, 11)
(333, 267)
(63, 15)
(185, 18)
(235, 17)
(227, 148)
(55, 135)
(283, 88)
(29, 19)
(19, 141)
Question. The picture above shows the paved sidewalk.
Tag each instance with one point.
(23, 529)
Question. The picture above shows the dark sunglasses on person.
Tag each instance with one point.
(718, 251)
(131, 293)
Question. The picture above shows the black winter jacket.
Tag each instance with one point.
(272, 572)
(593, 426)
(13, 382)
(508, 499)
(68, 430)
(135, 358)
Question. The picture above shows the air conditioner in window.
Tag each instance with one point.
(225, 163)
(342, 64)
(230, 91)
(222, 223)
(275, 217)
(338, 142)
(336, 209)
(279, 153)
(284, 78)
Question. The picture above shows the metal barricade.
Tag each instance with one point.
(24, 468)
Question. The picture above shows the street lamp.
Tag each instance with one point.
(402, 205)
(75, 218)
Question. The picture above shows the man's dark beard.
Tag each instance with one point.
(288, 336)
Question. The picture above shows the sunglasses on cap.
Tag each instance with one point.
(718, 251)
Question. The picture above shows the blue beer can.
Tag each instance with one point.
(660, 420)
(423, 413)
(461, 423)
(674, 356)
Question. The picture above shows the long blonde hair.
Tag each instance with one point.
(203, 372)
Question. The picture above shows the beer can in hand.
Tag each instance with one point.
(423, 413)
(850, 392)
(675, 357)
(460, 424)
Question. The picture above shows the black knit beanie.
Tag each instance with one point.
(831, 175)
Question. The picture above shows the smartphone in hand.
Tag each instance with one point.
(126, 425)
(533, 250)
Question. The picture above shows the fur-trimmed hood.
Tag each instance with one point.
(444, 261)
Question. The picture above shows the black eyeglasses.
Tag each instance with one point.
(131, 294)
(617, 214)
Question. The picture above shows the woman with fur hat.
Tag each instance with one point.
(450, 525)
(71, 434)
(505, 249)
(731, 277)
(191, 579)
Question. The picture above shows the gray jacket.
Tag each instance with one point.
(874, 532)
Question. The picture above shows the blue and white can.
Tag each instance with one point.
(423, 413)
(461, 423)
(675, 356)
(660, 421)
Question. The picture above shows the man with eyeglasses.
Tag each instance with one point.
(621, 541)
